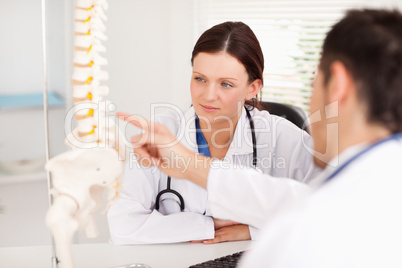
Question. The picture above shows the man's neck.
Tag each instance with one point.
(361, 133)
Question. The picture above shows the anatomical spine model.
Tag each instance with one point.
(94, 163)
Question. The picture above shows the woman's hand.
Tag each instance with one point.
(226, 231)
(237, 232)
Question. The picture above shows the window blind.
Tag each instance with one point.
(290, 32)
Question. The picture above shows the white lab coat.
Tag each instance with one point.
(133, 219)
(353, 220)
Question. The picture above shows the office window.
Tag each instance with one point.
(290, 33)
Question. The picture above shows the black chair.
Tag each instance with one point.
(292, 113)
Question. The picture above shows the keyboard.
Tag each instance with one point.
(228, 261)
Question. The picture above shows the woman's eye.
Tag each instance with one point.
(226, 84)
(199, 79)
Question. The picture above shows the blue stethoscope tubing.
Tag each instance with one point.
(393, 137)
(169, 179)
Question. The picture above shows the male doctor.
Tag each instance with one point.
(353, 217)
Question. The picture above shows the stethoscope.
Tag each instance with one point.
(201, 149)
(366, 150)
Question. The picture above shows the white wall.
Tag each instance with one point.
(149, 50)
(22, 221)
(21, 71)
(21, 66)
(23, 133)
(20, 48)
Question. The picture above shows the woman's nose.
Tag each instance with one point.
(211, 92)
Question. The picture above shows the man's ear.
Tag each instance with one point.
(341, 83)
(254, 88)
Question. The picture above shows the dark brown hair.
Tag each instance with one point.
(238, 40)
(369, 43)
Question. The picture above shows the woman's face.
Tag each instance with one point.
(219, 87)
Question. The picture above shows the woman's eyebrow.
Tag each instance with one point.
(229, 78)
(195, 72)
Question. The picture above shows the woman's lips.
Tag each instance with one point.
(208, 109)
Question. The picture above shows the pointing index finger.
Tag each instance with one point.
(135, 120)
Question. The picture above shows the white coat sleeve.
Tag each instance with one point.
(244, 195)
(255, 233)
(133, 219)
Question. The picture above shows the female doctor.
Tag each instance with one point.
(222, 123)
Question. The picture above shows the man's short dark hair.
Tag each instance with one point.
(369, 43)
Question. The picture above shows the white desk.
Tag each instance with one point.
(179, 255)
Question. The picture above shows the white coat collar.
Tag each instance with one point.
(240, 145)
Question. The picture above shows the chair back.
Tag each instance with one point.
(294, 114)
